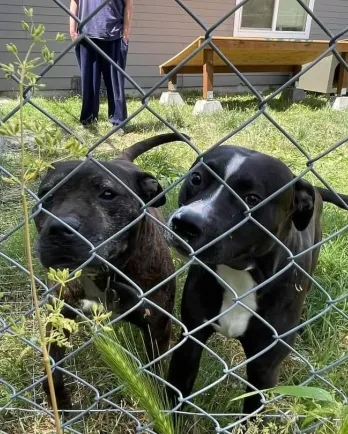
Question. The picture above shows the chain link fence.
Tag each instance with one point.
(22, 403)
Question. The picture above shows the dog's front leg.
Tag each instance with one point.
(262, 375)
(57, 353)
(262, 372)
(156, 325)
(197, 306)
(184, 366)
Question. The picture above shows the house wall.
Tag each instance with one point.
(333, 14)
(55, 20)
(161, 28)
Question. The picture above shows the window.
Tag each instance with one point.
(273, 19)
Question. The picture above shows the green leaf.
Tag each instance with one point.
(52, 274)
(3, 131)
(49, 139)
(60, 37)
(8, 70)
(39, 141)
(315, 393)
(26, 351)
(14, 127)
(75, 148)
(9, 129)
(47, 54)
(25, 26)
(29, 12)
(31, 77)
(78, 274)
(12, 48)
(38, 31)
(9, 180)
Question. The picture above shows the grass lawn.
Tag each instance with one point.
(315, 126)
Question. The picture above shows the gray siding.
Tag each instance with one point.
(333, 14)
(161, 28)
(54, 19)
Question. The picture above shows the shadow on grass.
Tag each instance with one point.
(311, 102)
(242, 104)
(153, 124)
(144, 127)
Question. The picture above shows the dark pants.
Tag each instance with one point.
(92, 66)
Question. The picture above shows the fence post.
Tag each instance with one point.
(343, 76)
(208, 74)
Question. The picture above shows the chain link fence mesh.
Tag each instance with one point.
(108, 403)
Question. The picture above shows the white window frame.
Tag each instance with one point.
(266, 33)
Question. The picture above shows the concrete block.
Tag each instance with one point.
(171, 98)
(4, 101)
(340, 103)
(293, 95)
(207, 106)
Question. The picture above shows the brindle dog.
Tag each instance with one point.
(94, 205)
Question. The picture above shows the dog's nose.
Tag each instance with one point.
(58, 228)
(188, 224)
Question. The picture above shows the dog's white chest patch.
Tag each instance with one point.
(92, 292)
(234, 322)
(93, 296)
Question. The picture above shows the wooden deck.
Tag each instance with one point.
(250, 55)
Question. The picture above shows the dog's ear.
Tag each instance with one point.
(149, 188)
(303, 204)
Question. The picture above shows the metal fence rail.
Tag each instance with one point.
(106, 403)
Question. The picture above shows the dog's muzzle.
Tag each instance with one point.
(60, 244)
(188, 228)
(187, 223)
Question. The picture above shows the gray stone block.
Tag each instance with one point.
(170, 97)
(4, 100)
(207, 106)
(340, 103)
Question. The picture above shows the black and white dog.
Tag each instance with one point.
(246, 258)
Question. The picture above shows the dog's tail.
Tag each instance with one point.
(139, 148)
(328, 196)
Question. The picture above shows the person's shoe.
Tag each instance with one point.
(120, 132)
(90, 123)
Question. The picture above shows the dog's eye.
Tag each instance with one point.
(107, 195)
(252, 200)
(196, 178)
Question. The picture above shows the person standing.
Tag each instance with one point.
(109, 29)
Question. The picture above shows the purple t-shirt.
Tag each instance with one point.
(107, 23)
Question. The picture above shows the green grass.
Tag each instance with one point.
(314, 125)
